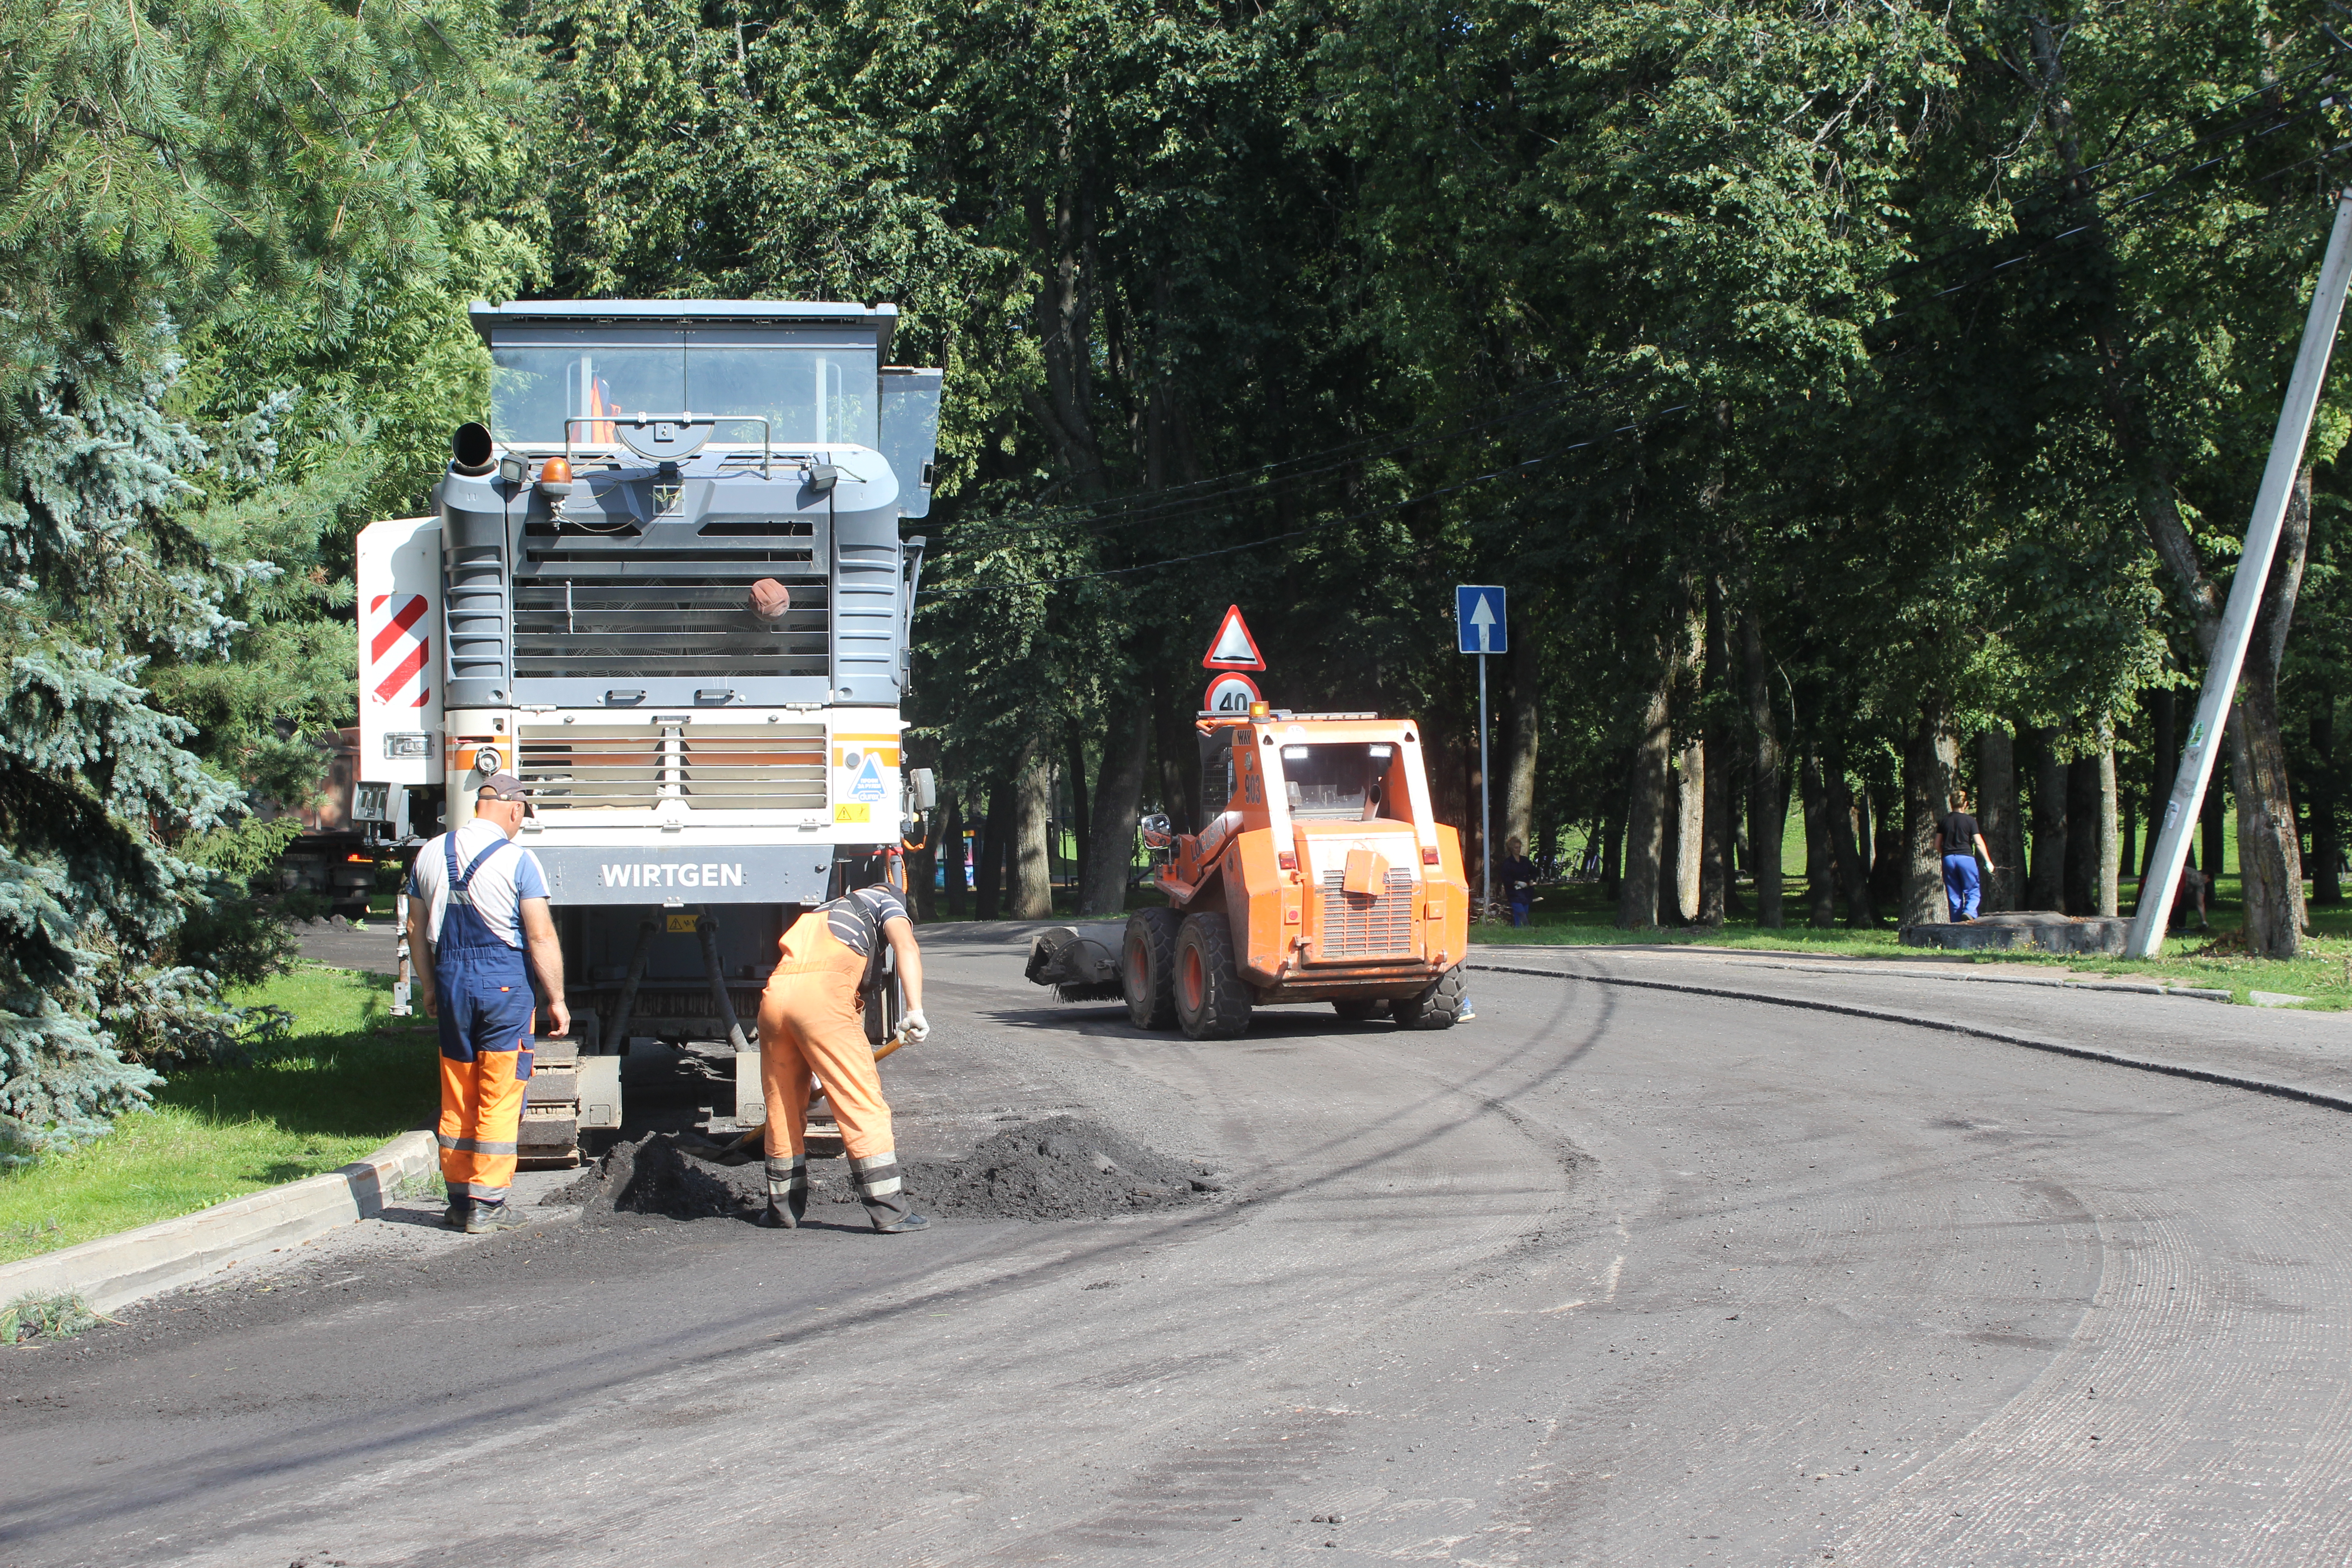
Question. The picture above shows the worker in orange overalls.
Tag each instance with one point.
(810, 1024)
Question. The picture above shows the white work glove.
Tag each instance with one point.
(914, 1028)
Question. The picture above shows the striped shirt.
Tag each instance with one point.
(855, 921)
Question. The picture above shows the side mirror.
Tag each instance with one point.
(926, 787)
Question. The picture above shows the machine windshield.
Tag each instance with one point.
(1337, 781)
(808, 396)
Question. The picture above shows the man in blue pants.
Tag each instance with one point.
(478, 903)
(1958, 841)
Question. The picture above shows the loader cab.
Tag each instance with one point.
(1341, 780)
(1218, 785)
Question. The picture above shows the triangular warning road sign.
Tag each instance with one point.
(1233, 647)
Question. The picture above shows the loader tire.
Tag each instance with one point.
(1435, 1009)
(1359, 1009)
(1211, 1002)
(1147, 969)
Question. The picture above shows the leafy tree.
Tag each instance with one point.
(170, 166)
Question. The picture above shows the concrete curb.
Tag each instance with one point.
(1888, 1016)
(117, 1271)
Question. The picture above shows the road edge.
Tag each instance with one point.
(118, 1270)
(1887, 1016)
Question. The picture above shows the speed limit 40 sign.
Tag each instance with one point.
(1231, 692)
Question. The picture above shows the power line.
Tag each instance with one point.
(1366, 513)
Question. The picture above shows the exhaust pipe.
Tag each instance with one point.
(471, 450)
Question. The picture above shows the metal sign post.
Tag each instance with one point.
(1481, 628)
(2229, 658)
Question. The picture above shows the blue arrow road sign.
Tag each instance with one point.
(1479, 614)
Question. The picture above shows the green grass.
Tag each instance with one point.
(1577, 915)
(347, 1079)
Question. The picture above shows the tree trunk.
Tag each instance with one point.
(1061, 238)
(1173, 740)
(1690, 845)
(1767, 796)
(1030, 882)
(2046, 887)
(1613, 844)
(1821, 860)
(1082, 821)
(1844, 849)
(1862, 837)
(922, 878)
(2109, 858)
(1647, 802)
(951, 847)
(2270, 844)
(1526, 710)
(1102, 890)
(1712, 902)
(2326, 842)
(1890, 859)
(1931, 765)
(1997, 815)
(995, 825)
(2079, 887)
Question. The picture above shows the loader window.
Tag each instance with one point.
(532, 390)
(808, 396)
(1340, 781)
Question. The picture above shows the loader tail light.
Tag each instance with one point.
(1286, 859)
(1428, 854)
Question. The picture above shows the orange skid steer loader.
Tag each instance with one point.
(1320, 876)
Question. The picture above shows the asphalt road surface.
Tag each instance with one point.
(1609, 1276)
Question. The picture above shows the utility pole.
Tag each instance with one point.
(2196, 757)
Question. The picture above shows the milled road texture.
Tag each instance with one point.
(1610, 1276)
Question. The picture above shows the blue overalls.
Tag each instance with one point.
(486, 1006)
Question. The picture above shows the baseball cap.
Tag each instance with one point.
(502, 786)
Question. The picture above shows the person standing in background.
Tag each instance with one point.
(1960, 842)
(1518, 880)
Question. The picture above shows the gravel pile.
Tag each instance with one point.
(1061, 1168)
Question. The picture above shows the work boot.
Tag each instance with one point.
(885, 1196)
(490, 1217)
(461, 1209)
(787, 1192)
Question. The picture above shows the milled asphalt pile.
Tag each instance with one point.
(1062, 1167)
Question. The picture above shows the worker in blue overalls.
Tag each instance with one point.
(478, 903)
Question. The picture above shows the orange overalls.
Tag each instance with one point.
(810, 1023)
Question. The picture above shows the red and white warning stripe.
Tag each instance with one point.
(397, 648)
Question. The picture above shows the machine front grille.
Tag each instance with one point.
(1357, 925)
(711, 767)
(591, 625)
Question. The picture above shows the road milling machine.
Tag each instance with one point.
(1322, 875)
(666, 586)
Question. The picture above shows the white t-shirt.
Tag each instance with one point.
(498, 887)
